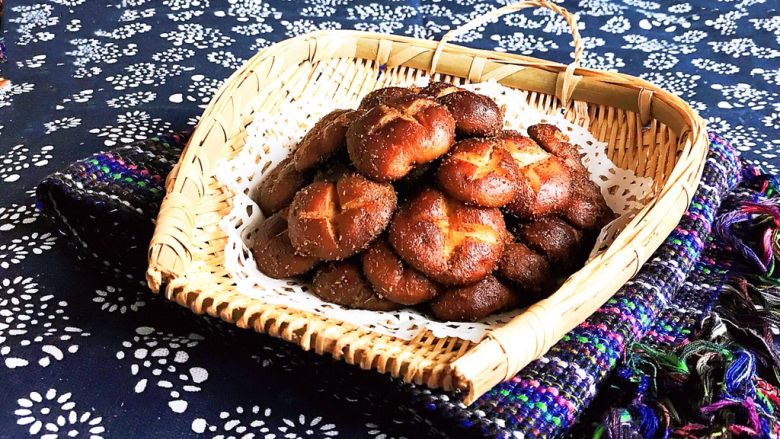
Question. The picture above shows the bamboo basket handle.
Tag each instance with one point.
(567, 80)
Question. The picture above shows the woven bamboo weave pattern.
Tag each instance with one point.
(647, 129)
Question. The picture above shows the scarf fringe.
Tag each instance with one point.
(725, 383)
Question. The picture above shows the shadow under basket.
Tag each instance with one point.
(648, 130)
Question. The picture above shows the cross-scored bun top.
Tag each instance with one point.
(336, 219)
(448, 241)
(545, 186)
(393, 279)
(386, 142)
(557, 143)
(475, 301)
(273, 252)
(382, 95)
(479, 172)
(475, 115)
(279, 186)
(325, 138)
(343, 283)
(587, 209)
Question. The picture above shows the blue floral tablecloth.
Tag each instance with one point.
(97, 356)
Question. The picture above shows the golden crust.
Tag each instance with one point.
(450, 242)
(479, 172)
(475, 115)
(334, 220)
(385, 143)
(545, 186)
(393, 279)
(587, 210)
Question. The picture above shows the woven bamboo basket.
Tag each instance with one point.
(647, 129)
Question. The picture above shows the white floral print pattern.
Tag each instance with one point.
(15, 215)
(33, 325)
(240, 423)
(51, 415)
(159, 360)
(129, 69)
(117, 299)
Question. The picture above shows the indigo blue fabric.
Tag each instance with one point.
(91, 352)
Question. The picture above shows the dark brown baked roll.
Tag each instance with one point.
(333, 220)
(342, 283)
(587, 210)
(382, 95)
(545, 186)
(475, 301)
(325, 138)
(393, 279)
(385, 143)
(479, 172)
(562, 244)
(475, 115)
(554, 141)
(279, 187)
(450, 242)
(273, 252)
(527, 270)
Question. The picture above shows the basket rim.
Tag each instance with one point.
(679, 183)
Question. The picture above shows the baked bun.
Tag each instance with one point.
(545, 186)
(587, 210)
(327, 137)
(393, 279)
(279, 187)
(559, 242)
(382, 95)
(446, 240)
(475, 115)
(554, 141)
(475, 301)
(527, 270)
(335, 219)
(342, 283)
(273, 252)
(479, 172)
(385, 143)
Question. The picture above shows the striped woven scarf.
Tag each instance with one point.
(684, 349)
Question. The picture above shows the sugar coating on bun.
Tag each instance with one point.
(333, 220)
(450, 242)
(474, 301)
(393, 279)
(479, 172)
(391, 138)
(327, 137)
(475, 115)
(343, 283)
(273, 252)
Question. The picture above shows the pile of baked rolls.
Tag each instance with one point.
(420, 198)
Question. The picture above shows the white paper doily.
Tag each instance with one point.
(271, 138)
